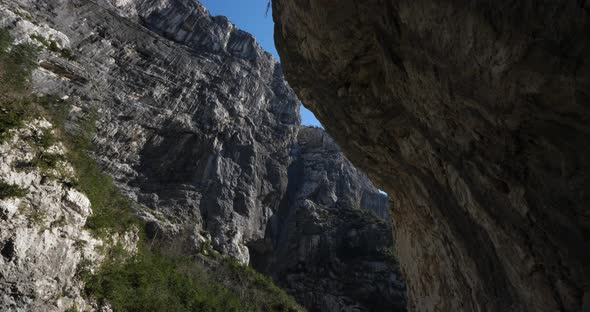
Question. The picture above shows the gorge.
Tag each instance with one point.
(150, 151)
(152, 157)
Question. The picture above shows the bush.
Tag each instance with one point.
(52, 46)
(11, 190)
(256, 289)
(16, 64)
(5, 41)
(45, 140)
(151, 281)
(9, 119)
(46, 161)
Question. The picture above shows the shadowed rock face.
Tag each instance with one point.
(475, 118)
(328, 245)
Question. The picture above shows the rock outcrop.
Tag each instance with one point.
(43, 242)
(474, 117)
(328, 245)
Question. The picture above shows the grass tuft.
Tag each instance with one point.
(17, 63)
(11, 191)
(52, 46)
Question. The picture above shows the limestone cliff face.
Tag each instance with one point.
(43, 242)
(203, 126)
(328, 245)
(474, 117)
(197, 125)
(194, 119)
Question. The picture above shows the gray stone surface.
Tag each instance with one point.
(474, 116)
(327, 245)
(43, 241)
(196, 124)
(194, 119)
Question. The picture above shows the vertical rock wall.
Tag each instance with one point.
(194, 119)
(474, 116)
(328, 244)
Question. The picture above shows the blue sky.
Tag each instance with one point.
(249, 15)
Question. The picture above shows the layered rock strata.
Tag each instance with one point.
(194, 119)
(196, 124)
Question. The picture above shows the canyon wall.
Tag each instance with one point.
(329, 245)
(198, 128)
(474, 116)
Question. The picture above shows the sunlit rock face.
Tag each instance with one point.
(475, 118)
(43, 242)
(194, 119)
(205, 124)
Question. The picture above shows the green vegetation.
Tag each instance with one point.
(9, 119)
(5, 41)
(256, 289)
(16, 64)
(153, 279)
(52, 46)
(45, 140)
(47, 161)
(37, 217)
(11, 190)
(24, 15)
(112, 212)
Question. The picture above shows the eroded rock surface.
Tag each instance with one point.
(194, 119)
(43, 242)
(474, 117)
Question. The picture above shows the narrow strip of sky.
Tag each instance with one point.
(250, 15)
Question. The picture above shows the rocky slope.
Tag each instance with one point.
(474, 116)
(197, 126)
(42, 235)
(327, 245)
